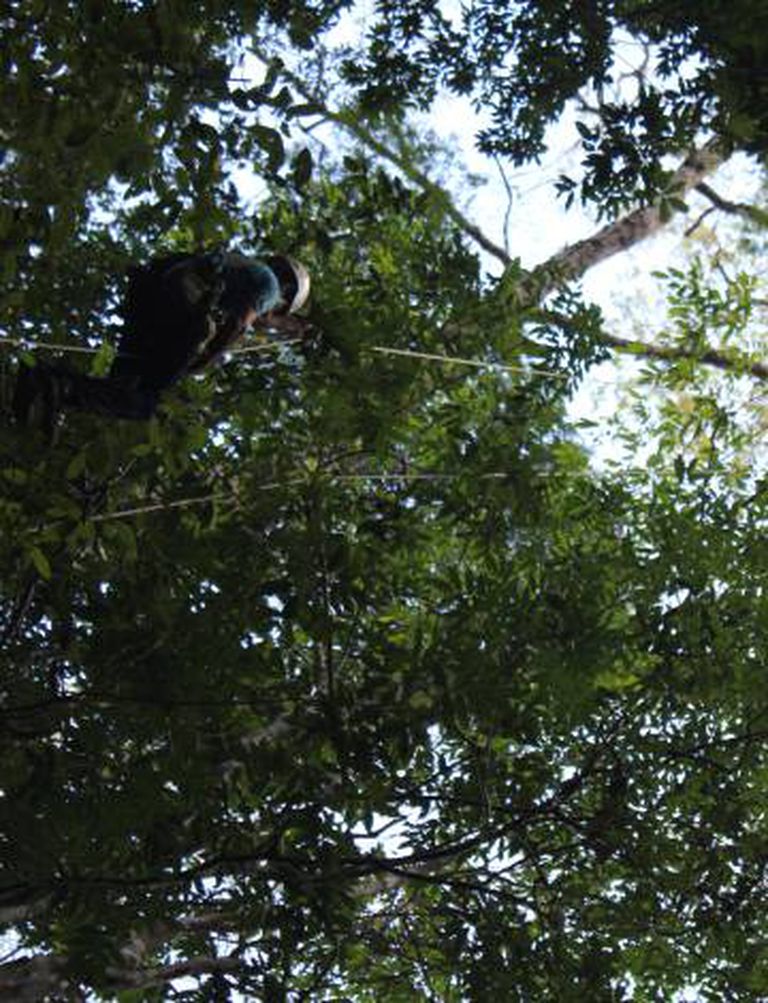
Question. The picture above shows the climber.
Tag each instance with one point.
(182, 312)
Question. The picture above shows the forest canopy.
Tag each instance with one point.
(353, 675)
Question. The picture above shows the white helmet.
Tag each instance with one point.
(293, 278)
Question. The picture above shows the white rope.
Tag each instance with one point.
(278, 344)
(454, 360)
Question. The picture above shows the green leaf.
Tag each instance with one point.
(271, 142)
(41, 562)
(15, 475)
(302, 168)
(76, 465)
(420, 700)
(102, 359)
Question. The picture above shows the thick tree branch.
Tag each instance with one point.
(575, 260)
(728, 361)
(671, 353)
(156, 978)
(565, 266)
(31, 979)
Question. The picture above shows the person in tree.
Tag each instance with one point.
(182, 312)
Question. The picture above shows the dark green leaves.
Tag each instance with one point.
(302, 168)
(271, 142)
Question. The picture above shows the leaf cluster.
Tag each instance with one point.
(523, 64)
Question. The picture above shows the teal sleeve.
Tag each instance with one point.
(266, 288)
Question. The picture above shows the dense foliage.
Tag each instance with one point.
(349, 676)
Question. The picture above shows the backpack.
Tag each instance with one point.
(163, 328)
(146, 299)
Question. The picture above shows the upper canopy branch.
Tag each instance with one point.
(729, 362)
(568, 264)
(352, 124)
(576, 259)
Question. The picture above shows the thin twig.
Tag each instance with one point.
(510, 200)
(20, 609)
(695, 225)
(725, 205)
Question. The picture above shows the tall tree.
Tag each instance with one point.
(349, 676)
